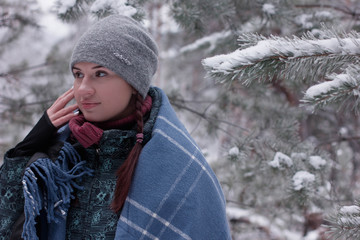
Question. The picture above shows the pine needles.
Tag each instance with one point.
(306, 59)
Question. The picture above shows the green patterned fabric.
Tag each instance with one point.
(90, 216)
(11, 202)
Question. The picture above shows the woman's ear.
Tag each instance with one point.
(134, 92)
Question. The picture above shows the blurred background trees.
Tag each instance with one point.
(268, 88)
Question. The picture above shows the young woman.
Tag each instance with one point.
(118, 164)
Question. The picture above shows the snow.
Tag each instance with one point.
(212, 40)
(350, 210)
(234, 151)
(324, 14)
(45, 4)
(280, 160)
(303, 20)
(236, 213)
(50, 24)
(325, 87)
(312, 235)
(65, 5)
(347, 220)
(169, 24)
(339, 152)
(282, 48)
(302, 179)
(343, 131)
(118, 6)
(261, 221)
(317, 162)
(268, 8)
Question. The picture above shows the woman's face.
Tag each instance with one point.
(100, 93)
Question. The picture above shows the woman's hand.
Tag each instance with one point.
(59, 114)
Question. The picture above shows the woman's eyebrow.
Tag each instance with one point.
(97, 66)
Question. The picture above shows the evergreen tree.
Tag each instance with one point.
(298, 91)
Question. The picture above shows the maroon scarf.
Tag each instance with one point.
(88, 133)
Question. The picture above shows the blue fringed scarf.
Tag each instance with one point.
(57, 182)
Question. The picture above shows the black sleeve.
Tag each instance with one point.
(38, 139)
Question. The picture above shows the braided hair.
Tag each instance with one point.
(126, 170)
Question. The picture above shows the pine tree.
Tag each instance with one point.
(300, 91)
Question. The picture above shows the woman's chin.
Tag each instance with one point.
(91, 118)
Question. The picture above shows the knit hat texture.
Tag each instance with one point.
(122, 45)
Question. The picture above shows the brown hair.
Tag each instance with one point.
(126, 170)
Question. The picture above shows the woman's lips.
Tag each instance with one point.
(89, 105)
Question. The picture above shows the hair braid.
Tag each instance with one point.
(139, 115)
(126, 170)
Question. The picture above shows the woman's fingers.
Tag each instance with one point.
(63, 100)
(65, 115)
(59, 113)
(63, 112)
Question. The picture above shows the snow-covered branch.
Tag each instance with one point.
(291, 58)
(345, 223)
(211, 41)
(272, 228)
(69, 10)
(341, 87)
(329, 6)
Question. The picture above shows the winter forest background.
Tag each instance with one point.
(268, 88)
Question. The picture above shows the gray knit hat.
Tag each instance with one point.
(122, 45)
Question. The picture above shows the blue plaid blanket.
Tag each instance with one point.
(174, 194)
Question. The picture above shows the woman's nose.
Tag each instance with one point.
(86, 87)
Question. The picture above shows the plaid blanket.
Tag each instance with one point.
(174, 194)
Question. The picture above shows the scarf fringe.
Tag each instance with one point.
(54, 191)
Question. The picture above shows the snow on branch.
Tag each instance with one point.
(69, 10)
(115, 6)
(346, 222)
(209, 43)
(291, 58)
(340, 87)
(302, 180)
(64, 6)
(272, 227)
(211, 40)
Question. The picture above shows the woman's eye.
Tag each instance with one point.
(100, 74)
(78, 75)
